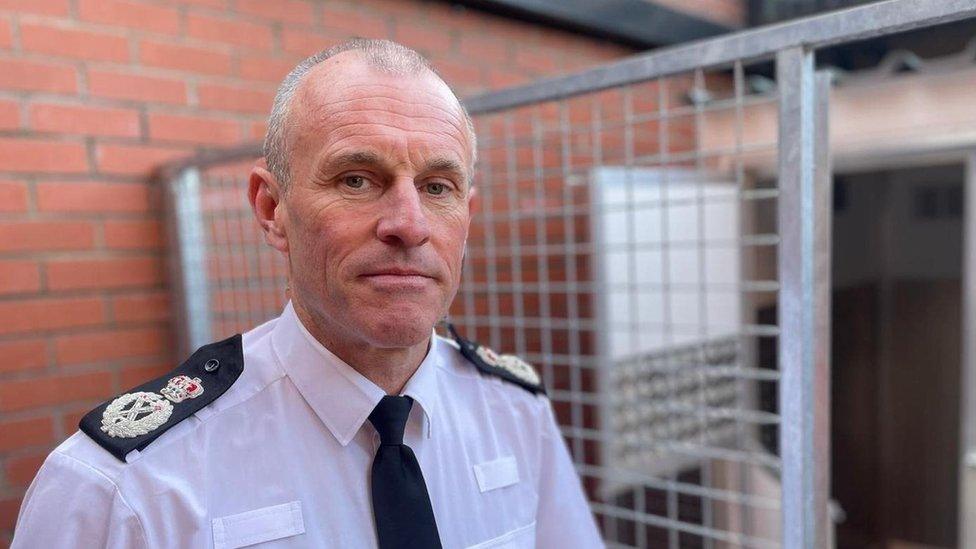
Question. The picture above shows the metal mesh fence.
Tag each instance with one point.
(630, 262)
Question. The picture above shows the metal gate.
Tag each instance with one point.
(667, 271)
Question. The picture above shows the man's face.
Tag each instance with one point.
(376, 213)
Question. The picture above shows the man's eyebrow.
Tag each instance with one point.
(356, 158)
(444, 165)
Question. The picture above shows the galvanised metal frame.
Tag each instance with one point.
(763, 43)
(804, 211)
(967, 472)
(188, 262)
(803, 199)
(804, 299)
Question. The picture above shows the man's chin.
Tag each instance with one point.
(397, 327)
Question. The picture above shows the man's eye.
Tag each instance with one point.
(436, 188)
(354, 181)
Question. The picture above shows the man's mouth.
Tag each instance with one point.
(399, 277)
(398, 272)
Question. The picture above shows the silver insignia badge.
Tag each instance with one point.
(135, 414)
(489, 356)
(181, 388)
(511, 364)
(519, 368)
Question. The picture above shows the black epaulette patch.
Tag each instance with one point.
(135, 419)
(508, 367)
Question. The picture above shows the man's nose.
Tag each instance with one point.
(403, 221)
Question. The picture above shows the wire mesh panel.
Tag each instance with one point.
(634, 264)
(228, 279)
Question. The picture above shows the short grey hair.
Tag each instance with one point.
(385, 55)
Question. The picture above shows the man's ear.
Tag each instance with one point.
(473, 201)
(265, 195)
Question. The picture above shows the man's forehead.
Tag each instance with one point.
(348, 77)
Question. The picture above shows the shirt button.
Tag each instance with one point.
(211, 365)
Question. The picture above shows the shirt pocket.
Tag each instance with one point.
(497, 473)
(520, 538)
(258, 526)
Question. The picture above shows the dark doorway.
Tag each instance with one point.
(897, 265)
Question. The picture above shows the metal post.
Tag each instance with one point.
(191, 295)
(803, 300)
(823, 190)
(967, 484)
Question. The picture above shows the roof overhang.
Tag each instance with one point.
(633, 22)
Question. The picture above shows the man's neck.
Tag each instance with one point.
(388, 368)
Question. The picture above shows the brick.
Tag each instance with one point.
(78, 44)
(459, 74)
(126, 272)
(94, 197)
(487, 49)
(134, 159)
(58, 389)
(33, 155)
(116, 85)
(13, 196)
(454, 16)
(229, 31)
(42, 7)
(258, 130)
(305, 42)
(193, 129)
(9, 115)
(31, 315)
(141, 307)
(131, 15)
(349, 22)
(6, 34)
(76, 119)
(22, 354)
(291, 11)
(18, 277)
(134, 235)
(503, 78)
(110, 345)
(35, 236)
(265, 68)
(26, 432)
(17, 74)
(20, 470)
(135, 376)
(215, 4)
(71, 416)
(423, 37)
(534, 59)
(9, 508)
(393, 7)
(184, 58)
(235, 99)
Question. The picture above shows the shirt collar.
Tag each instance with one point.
(340, 396)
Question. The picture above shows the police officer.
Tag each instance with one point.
(346, 421)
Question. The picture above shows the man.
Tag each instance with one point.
(344, 422)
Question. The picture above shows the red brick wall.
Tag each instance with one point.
(93, 95)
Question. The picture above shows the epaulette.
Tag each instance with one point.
(136, 418)
(508, 367)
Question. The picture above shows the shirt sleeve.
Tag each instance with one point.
(564, 518)
(70, 504)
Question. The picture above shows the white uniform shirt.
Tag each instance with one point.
(284, 456)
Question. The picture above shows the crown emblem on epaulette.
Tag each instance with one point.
(181, 388)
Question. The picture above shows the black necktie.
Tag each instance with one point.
(401, 506)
